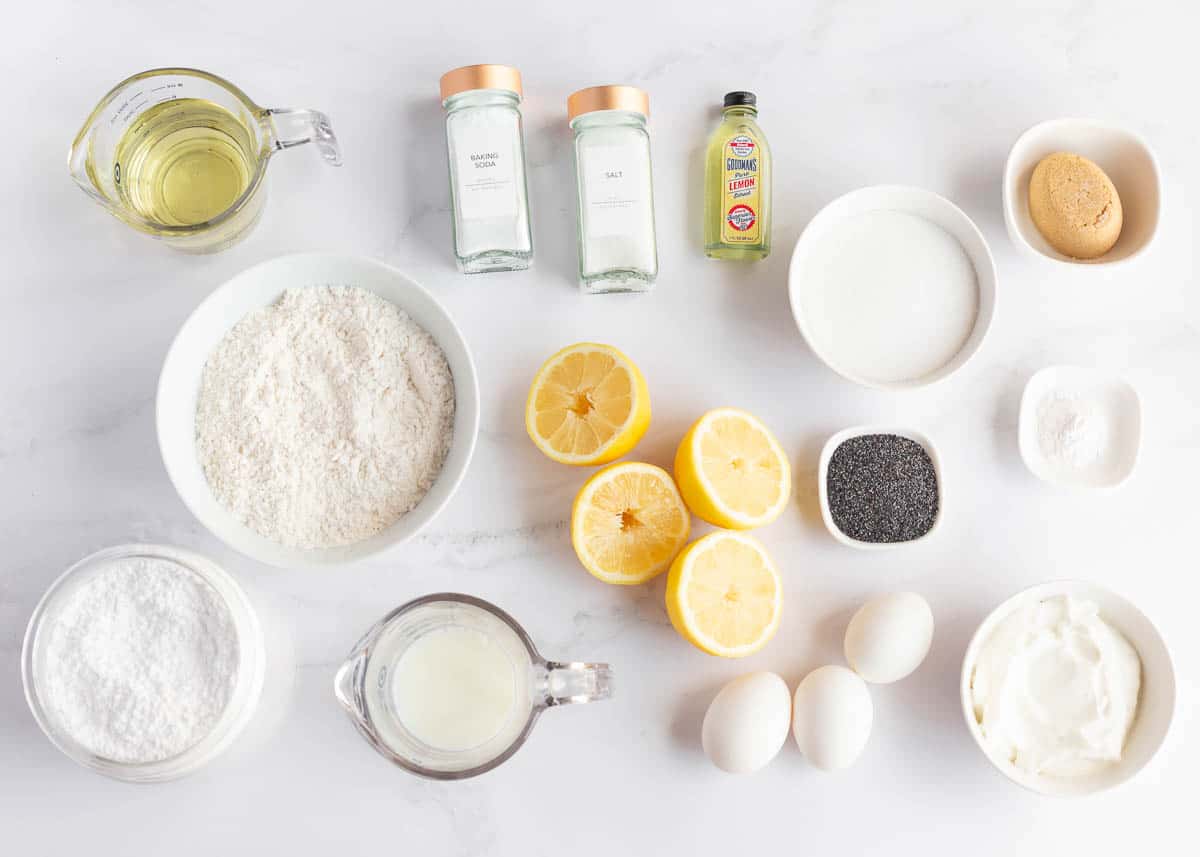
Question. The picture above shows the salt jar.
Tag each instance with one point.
(486, 151)
(617, 248)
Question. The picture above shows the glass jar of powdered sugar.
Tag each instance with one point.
(486, 150)
(143, 662)
(617, 247)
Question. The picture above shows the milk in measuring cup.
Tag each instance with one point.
(454, 689)
(448, 686)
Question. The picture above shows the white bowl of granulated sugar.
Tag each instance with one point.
(317, 409)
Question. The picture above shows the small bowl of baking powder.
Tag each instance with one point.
(143, 662)
(1079, 427)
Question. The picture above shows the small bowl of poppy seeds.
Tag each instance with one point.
(880, 487)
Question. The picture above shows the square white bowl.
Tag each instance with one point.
(831, 446)
(1156, 697)
(1125, 157)
(1116, 403)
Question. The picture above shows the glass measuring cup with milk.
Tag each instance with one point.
(449, 686)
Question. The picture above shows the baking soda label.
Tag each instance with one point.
(486, 175)
(740, 191)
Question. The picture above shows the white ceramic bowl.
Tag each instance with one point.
(260, 286)
(1156, 701)
(823, 488)
(911, 200)
(242, 703)
(1123, 155)
(1116, 404)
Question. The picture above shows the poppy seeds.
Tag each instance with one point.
(882, 488)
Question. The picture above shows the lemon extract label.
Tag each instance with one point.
(741, 192)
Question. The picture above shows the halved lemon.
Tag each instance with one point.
(732, 472)
(588, 404)
(629, 522)
(724, 595)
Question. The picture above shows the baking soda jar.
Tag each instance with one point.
(486, 150)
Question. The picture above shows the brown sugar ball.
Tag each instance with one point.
(1075, 206)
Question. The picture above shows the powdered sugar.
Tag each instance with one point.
(139, 660)
(325, 417)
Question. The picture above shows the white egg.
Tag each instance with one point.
(831, 717)
(889, 636)
(747, 722)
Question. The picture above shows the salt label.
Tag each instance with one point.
(613, 179)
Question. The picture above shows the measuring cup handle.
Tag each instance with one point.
(573, 682)
(296, 127)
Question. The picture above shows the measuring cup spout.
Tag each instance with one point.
(289, 128)
(77, 165)
(345, 686)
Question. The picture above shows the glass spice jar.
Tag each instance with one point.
(617, 247)
(486, 150)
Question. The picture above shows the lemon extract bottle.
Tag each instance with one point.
(737, 177)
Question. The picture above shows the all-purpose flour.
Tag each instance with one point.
(325, 417)
(139, 661)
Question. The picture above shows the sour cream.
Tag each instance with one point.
(1055, 688)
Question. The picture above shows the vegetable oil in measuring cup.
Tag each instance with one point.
(184, 162)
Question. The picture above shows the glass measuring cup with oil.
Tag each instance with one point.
(449, 686)
(182, 154)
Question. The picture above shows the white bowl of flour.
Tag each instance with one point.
(317, 409)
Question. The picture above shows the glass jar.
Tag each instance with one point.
(486, 151)
(617, 247)
(248, 682)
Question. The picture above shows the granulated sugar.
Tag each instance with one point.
(325, 417)
(139, 661)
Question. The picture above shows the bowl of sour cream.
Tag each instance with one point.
(1067, 688)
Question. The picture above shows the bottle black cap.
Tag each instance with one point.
(740, 99)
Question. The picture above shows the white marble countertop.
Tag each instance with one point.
(851, 94)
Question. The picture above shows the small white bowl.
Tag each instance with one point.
(1115, 402)
(1156, 700)
(260, 286)
(910, 200)
(1123, 155)
(827, 451)
(248, 682)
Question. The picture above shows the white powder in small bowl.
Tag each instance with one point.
(138, 661)
(1072, 431)
(324, 418)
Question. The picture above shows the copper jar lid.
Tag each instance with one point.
(607, 98)
(486, 76)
